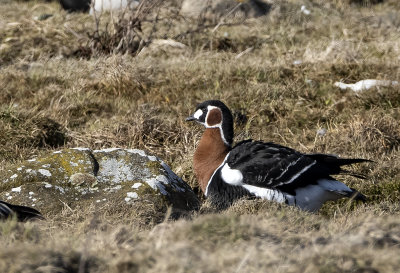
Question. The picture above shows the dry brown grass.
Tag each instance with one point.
(50, 92)
(249, 237)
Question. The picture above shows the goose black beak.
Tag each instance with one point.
(191, 118)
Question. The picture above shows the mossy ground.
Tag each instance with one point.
(55, 93)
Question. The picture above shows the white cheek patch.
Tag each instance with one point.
(198, 114)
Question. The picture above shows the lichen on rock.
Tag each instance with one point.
(79, 176)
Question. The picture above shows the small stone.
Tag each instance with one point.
(132, 195)
(44, 172)
(136, 185)
(17, 189)
(309, 82)
(79, 179)
(60, 189)
(321, 132)
(304, 10)
(297, 62)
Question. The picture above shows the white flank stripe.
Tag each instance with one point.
(287, 168)
(209, 181)
(298, 174)
(269, 194)
(231, 176)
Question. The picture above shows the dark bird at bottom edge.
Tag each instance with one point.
(22, 213)
(264, 170)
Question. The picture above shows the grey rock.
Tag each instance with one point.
(79, 177)
(215, 9)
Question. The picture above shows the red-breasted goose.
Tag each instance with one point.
(262, 169)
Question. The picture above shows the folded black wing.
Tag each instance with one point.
(271, 165)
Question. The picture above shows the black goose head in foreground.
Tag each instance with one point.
(21, 212)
